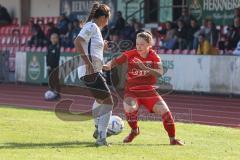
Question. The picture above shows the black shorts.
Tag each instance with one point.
(97, 85)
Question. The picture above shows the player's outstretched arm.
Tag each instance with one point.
(116, 61)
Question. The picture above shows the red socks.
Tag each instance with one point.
(132, 119)
(168, 124)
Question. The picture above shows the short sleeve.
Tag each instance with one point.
(87, 31)
(121, 59)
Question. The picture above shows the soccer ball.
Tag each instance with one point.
(115, 125)
(49, 95)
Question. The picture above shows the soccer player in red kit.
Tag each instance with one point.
(144, 66)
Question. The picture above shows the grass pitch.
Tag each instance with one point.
(39, 135)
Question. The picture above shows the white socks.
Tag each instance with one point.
(101, 114)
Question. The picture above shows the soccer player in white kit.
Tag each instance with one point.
(90, 44)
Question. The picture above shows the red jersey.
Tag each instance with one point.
(139, 79)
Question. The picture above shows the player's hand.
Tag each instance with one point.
(107, 67)
(105, 45)
(139, 63)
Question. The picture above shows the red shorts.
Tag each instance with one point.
(147, 98)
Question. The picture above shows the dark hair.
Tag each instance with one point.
(99, 10)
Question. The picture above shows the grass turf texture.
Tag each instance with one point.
(40, 135)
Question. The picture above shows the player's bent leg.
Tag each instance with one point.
(162, 109)
(131, 112)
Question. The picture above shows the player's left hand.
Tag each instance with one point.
(107, 67)
(140, 63)
(105, 45)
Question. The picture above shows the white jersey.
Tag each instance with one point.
(93, 47)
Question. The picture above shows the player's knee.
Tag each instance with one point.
(130, 109)
(108, 100)
(161, 108)
(130, 105)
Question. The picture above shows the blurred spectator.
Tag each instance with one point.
(16, 37)
(113, 35)
(182, 33)
(212, 35)
(38, 38)
(205, 47)
(233, 34)
(52, 29)
(223, 44)
(203, 30)
(76, 28)
(73, 31)
(170, 40)
(63, 24)
(209, 30)
(127, 33)
(5, 18)
(120, 22)
(237, 50)
(193, 29)
(237, 12)
(185, 17)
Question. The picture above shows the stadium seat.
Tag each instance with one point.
(2, 30)
(73, 50)
(39, 49)
(33, 49)
(44, 49)
(8, 40)
(62, 49)
(8, 30)
(27, 49)
(161, 51)
(15, 21)
(22, 48)
(68, 50)
(169, 51)
(177, 51)
(23, 40)
(25, 30)
(55, 20)
(45, 20)
(50, 19)
(3, 40)
(16, 40)
(35, 20)
(193, 51)
(185, 51)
